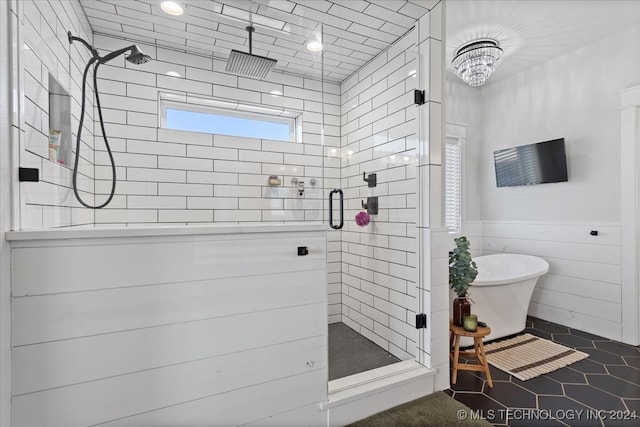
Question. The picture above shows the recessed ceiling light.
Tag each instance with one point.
(172, 8)
(173, 74)
(315, 46)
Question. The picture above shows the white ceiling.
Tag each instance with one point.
(355, 31)
(533, 32)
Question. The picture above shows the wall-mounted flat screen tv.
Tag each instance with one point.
(539, 163)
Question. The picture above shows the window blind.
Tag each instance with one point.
(453, 184)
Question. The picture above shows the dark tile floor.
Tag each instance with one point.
(603, 390)
(351, 353)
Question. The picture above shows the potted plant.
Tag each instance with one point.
(462, 271)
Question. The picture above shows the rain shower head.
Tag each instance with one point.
(248, 64)
(137, 57)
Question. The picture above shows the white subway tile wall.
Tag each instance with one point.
(379, 266)
(51, 203)
(229, 168)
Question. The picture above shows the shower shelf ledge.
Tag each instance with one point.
(147, 231)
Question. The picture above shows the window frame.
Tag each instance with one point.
(234, 109)
(458, 133)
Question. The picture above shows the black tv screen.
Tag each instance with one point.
(538, 163)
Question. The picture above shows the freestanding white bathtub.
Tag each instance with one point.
(502, 290)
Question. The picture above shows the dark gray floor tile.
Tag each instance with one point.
(540, 385)
(587, 335)
(588, 383)
(621, 419)
(573, 341)
(632, 361)
(351, 353)
(468, 382)
(552, 328)
(589, 367)
(539, 333)
(489, 408)
(633, 405)
(603, 356)
(511, 396)
(626, 373)
(564, 408)
(531, 419)
(593, 397)
(617, 348)
(567, 376)
(496, 374)
(614, 385)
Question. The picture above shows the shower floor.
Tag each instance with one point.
(351, 353)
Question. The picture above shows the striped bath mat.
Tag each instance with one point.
(527, 356)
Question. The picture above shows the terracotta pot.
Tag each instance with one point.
(461, 308)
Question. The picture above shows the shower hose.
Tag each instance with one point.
(104, 136)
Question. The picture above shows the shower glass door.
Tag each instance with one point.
(373, 260)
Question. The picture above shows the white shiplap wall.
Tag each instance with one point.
(583, 287)
(379, 134)
(166, 338)
(45, 50)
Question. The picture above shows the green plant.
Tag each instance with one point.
(462, 269)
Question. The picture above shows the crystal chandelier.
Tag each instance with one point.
(475, 61)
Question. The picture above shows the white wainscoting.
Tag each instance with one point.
(169, 330)
(583, 287)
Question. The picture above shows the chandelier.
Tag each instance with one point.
(475, 61)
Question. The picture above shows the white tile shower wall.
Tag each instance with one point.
(176, 177)
(45, 51)
(379, 133)
(583, 287)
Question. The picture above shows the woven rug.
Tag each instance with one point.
(527, 356)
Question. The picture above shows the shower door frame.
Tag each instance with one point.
(428, 178)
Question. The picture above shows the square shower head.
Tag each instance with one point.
(249, 65)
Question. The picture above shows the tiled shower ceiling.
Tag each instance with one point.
(355, 31)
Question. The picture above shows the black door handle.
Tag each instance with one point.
(341, 195)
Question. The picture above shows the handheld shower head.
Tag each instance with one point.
(137, 57)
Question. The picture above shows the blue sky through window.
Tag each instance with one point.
(226, 125)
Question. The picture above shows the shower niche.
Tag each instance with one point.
(59, 123)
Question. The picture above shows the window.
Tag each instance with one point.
(228, 118)
(453, 184)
